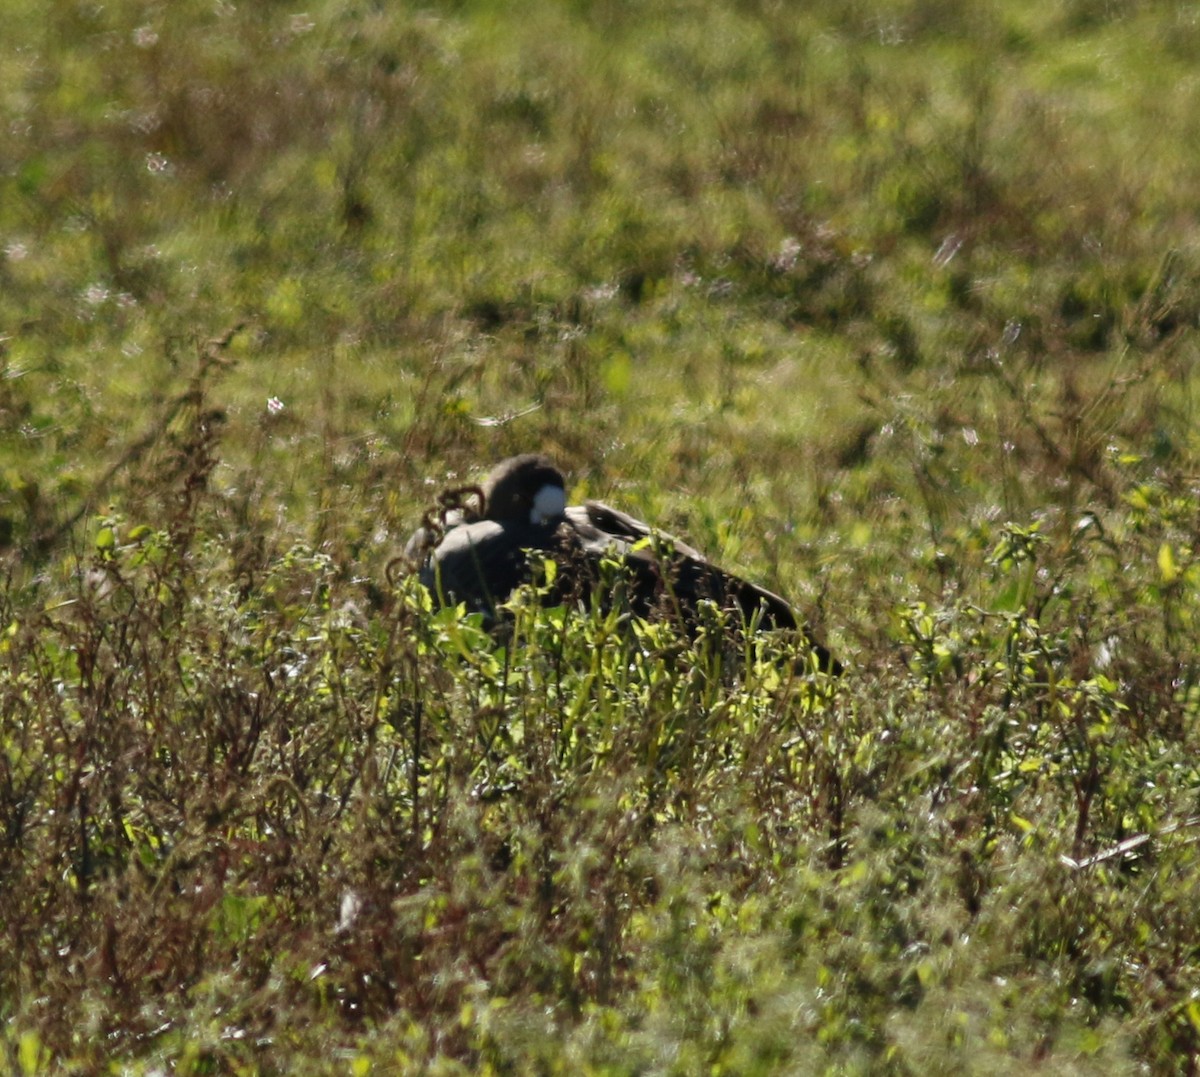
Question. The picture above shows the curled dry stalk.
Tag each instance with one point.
(434, 523)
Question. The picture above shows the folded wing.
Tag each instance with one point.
(683, 573)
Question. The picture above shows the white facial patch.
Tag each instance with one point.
(549, 503)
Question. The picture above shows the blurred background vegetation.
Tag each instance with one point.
(891, 305)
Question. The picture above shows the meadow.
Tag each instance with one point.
(890, 306)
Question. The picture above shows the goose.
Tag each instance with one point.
(483, 555)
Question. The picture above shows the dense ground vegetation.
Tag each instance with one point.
(891, 305)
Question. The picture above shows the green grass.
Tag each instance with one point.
(890, 306)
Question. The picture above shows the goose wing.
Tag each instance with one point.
(596, 522)
(689, 576)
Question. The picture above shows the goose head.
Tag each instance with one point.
(528, 489)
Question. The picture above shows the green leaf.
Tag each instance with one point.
(30, 1054)
(1166, 563)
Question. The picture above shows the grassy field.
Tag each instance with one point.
(891, 306)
